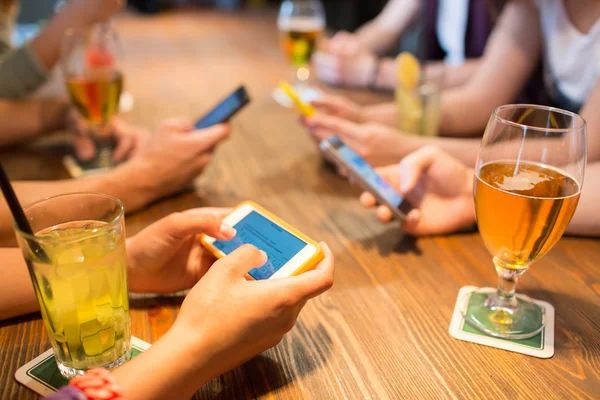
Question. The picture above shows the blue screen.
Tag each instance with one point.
(279, 244)
(221, 113)
(368, 173)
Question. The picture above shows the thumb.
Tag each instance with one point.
(242, 260)
(413, 166)
(85, 149)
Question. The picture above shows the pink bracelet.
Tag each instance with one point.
(98, 384)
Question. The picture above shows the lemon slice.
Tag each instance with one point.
(408, 69)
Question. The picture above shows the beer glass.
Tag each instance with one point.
(528, 180)
(94, 82)
(301, 23)
(81, 285)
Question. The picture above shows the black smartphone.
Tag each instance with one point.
(225, 110)
(344, 157)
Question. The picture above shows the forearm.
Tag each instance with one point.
(586, 221)
(47, 45)
(384, 113)
(127, 182)
(16, 291)
(381, 33)
(22, 120)
(454, 76)
(178, 377)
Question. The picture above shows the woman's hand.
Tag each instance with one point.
(437, 185)
(168, 257)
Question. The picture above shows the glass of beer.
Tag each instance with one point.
(80, 278)
(529, 176)
(300, 23)
(94, 82)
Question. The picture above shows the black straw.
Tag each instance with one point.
(19, 216)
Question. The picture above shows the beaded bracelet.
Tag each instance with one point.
(95, 384)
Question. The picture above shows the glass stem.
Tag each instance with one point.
(507, 284)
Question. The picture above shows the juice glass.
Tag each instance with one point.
(80, 279)
(419, 108)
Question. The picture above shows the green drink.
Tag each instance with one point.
(82, 290)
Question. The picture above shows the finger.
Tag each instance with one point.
(368, 200)
(180, 124)
(242, 260)
(85, 149)
(124, 147)
(307, 285)
(411, 224)
(209, 221)
(339, 126)
(413, 166)
(206, 139)
(384, 214)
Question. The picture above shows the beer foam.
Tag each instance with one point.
(300, 24)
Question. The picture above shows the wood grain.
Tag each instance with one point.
(382, 331)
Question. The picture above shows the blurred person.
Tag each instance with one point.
(24, 70)
(564, 34)
(224, 320)
(441, 189)
(174, 156)
(453, 34)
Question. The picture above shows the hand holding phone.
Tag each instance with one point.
(305, 109)
(289, 252)
(226, 109)
(358, 169)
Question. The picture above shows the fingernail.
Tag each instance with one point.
(227, 230)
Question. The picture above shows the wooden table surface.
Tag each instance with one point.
(382, 331)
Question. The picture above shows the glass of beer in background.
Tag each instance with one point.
(81, 280)
(94, 83)
(529, 176)
(301, 23)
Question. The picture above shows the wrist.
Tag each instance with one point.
(78, 14)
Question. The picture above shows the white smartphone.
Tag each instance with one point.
(289, 251)
(344, 157)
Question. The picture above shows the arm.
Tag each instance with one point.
(380, 34)
(511, 55)
(16, 291)
(22, 120)
(586, 221)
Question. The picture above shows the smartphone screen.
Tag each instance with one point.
(373, 180)
(279, 244)
(225, 110)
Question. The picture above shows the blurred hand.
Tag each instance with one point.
(168, 257)
(129, 138)
(437, 185)
(339, 106)
(343, 43)
(228, 320)
(94, 11)
(377, 144)
(174, 156)
(357, 70)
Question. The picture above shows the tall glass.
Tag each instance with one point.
(300, 23)
(529, 176)
(420, 107)
(81, 285)
(94, 82)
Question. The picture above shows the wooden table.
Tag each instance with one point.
(382, 331)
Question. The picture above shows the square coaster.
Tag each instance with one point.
(540, 345)
(43, 377)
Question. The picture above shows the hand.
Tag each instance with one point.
(343, 43)
(174, 156)
(94, 11)
(339, 106)
(129, 138)
(437, 185)
(168, 257)
(357, 70)
(228, 320)
(377, 144)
